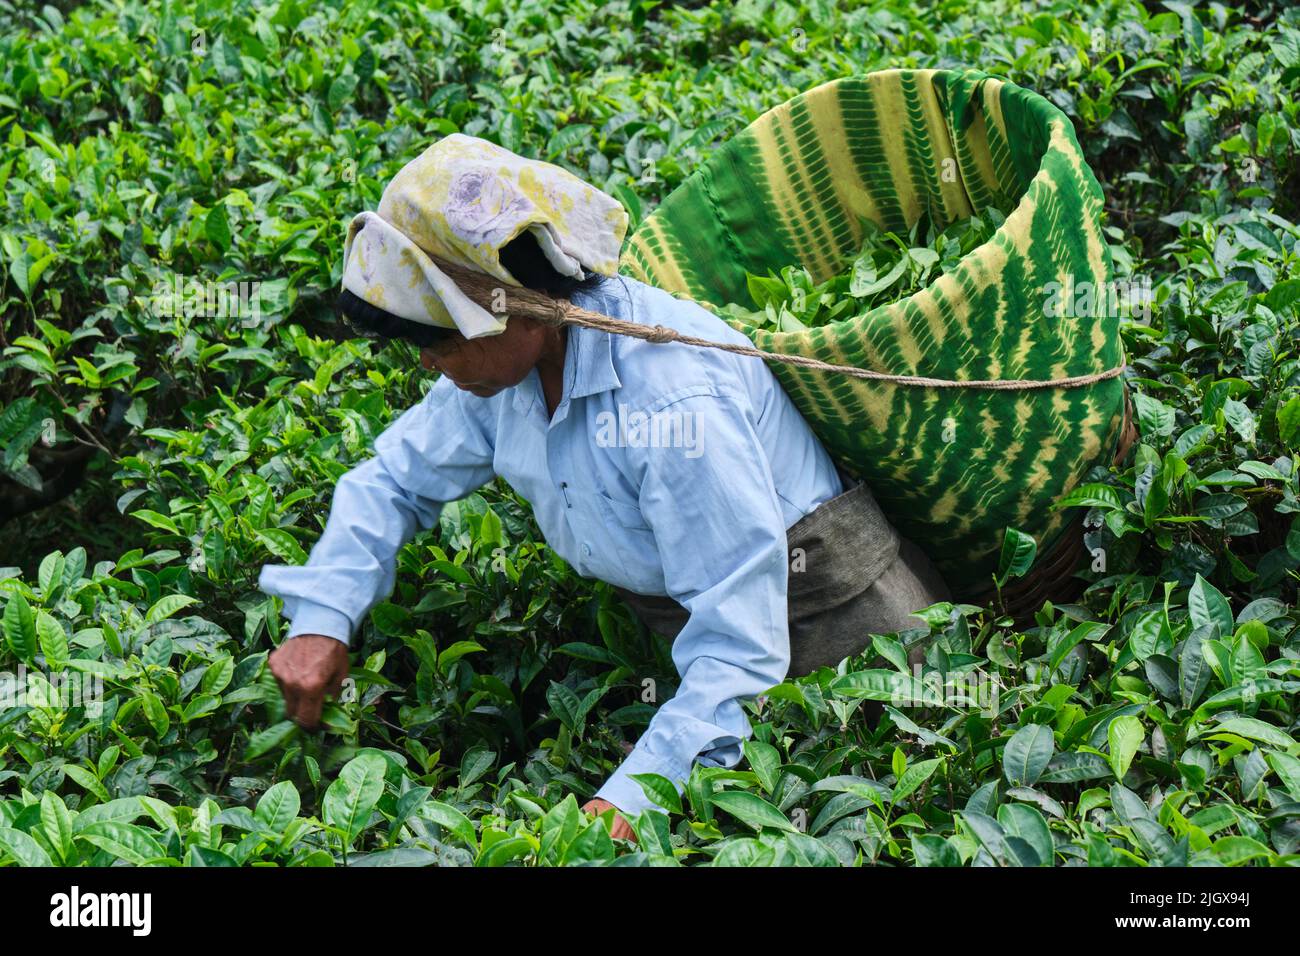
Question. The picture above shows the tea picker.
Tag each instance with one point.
(660, 456)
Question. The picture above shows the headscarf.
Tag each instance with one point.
(462, 199)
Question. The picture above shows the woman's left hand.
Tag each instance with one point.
(621, 829)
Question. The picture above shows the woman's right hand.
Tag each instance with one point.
(307, 667)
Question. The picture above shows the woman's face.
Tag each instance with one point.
(486, 365)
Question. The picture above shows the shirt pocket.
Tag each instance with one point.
(642, 569)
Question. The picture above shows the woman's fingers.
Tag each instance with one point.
(620, 829)
(306, 667)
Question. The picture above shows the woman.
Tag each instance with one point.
(682, 476)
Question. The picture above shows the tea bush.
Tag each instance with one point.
(144, 143)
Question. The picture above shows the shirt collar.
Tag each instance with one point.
(589, 363)
(589, 355)
(589, 359)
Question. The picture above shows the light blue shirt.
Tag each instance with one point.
(665, 469)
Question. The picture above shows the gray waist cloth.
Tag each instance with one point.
(851, 575)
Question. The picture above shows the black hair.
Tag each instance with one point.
(522, 257)
(371, 322)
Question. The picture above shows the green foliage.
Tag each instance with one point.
(887, 269)
(1152, 722)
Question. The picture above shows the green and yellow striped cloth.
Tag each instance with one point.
(951, 467)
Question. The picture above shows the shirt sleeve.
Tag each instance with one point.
(435, 452)
(718, 524)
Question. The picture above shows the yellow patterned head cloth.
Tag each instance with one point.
(462, 199)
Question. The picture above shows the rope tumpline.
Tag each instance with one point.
(486, 290)
(566, 313)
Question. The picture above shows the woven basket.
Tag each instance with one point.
(951, 467)
(1053, 576)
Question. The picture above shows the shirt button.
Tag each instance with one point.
(586, 550)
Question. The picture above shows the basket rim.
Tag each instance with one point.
(773, 340)
(777, 340)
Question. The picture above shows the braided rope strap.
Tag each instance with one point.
(488, 292)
